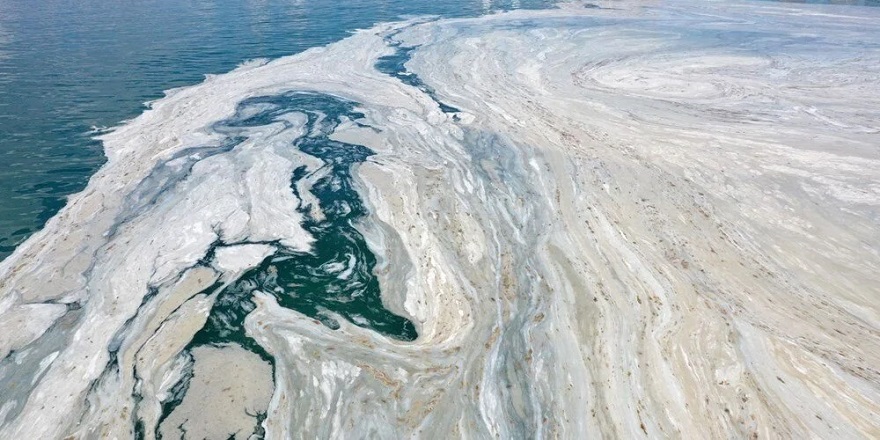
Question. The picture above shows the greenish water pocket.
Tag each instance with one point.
(335, 279)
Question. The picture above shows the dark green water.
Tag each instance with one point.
(336, 278)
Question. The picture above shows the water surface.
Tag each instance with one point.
(70, 67)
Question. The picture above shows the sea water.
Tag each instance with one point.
(69, 70)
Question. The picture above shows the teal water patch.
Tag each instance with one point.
(395, 65)
(336, 277)
(332, 281)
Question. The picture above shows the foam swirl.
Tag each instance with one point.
(654, 220)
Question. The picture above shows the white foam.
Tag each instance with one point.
(631, 216)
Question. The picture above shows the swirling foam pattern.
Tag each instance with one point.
(654, 220)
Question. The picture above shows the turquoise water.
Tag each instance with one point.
(68, 67)
(334, 280)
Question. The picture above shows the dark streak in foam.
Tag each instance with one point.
(503, 168)
(395, 65)
(164, 176)
(177, 392)
(19, 370)
(121, 335)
